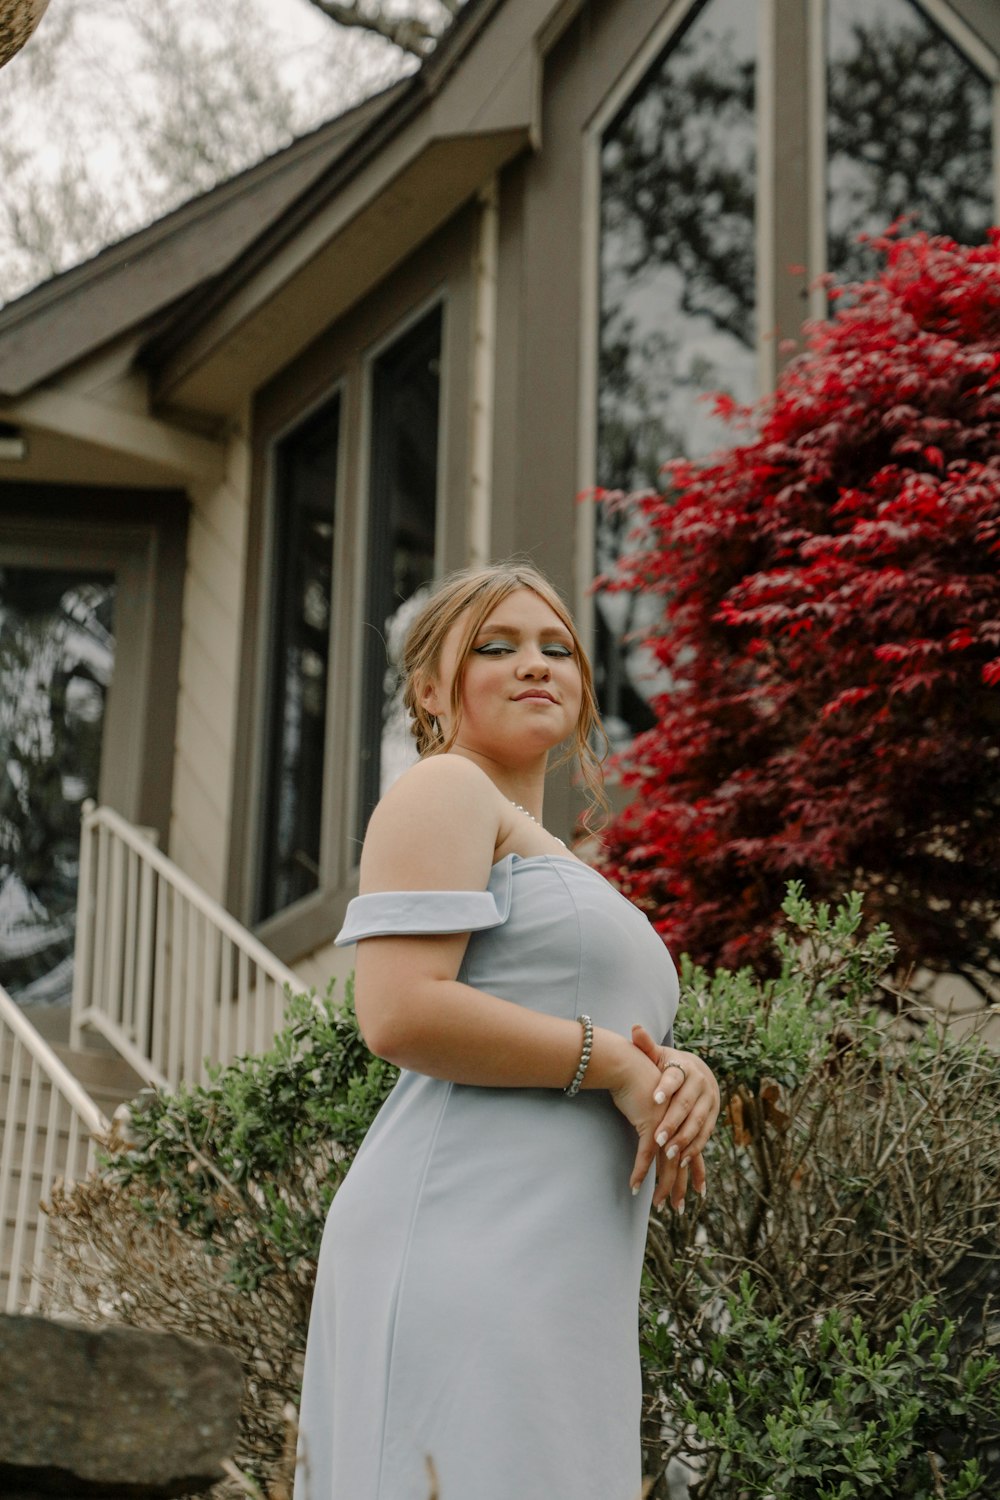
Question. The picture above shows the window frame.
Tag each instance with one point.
(269, 590)
(373, 353)
(340, 361)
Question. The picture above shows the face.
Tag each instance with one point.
(522, 690)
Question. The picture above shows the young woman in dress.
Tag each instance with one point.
(477, 1289)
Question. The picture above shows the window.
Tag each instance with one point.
(677, 278)
(713, 191)
(304, 511)
(402, 527)
(909, 127)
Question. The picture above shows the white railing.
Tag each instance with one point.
(49, 1124)
(162, 971)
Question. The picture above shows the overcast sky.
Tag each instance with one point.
(88, 91)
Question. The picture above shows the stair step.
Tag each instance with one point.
(100, 1070)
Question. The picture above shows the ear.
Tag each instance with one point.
(430, 697)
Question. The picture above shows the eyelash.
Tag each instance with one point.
(497, 648)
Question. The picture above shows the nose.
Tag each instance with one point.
(533, 663)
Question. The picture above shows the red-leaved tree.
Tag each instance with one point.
(831, 623)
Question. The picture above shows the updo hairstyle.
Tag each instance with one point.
(475, 594)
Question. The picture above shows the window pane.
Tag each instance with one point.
(57, 651)
(909, 130)
(304, 512)
(401, 531)
(677, 297)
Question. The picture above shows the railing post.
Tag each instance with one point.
(83, 956)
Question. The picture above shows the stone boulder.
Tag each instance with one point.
(112, 1413)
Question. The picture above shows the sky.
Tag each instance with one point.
(84, 156)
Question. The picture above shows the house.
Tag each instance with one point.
(235, 447)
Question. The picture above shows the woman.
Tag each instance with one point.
(477, 1289)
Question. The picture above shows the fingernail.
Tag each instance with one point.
(685, 1162)
(680, 1207)
(671, 1152)
(659, 1097)
(635, 1192)
(661, 1139)
(703, 1189)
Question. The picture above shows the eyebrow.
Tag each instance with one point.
(496, 627)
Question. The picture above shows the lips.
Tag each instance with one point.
(537, 693)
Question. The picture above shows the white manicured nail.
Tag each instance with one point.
(661, 1139)
(671, 1152)
(659, 1097)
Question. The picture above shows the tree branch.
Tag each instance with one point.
(406, 32)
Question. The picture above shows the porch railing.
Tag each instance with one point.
(162, 971)
(49, 1124)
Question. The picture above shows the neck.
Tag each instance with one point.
(524, 785)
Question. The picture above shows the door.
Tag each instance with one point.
(89, 642)
(57, 655)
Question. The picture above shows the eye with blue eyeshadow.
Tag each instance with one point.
(501, 648)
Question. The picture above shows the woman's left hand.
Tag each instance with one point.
(692, 1101)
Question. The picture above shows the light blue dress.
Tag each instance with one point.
(477, 1290)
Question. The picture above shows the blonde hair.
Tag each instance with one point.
(475, 595)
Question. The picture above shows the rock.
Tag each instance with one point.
(112, 1413)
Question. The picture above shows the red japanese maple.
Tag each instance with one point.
(831, 622)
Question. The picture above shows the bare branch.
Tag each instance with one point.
(409, 33)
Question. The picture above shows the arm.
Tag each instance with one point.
(437, 829)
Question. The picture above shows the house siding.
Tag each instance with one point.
(209, 673)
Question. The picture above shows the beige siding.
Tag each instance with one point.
(209, 675)
(317, 969)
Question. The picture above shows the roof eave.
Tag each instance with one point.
(444, 138)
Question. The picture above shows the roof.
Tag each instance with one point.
(219, 293)
(138, 281)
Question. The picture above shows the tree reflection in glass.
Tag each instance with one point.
(909, 131)
(56, 659)
(402, 527)
(677, 268)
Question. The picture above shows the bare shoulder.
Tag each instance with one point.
(435, 829)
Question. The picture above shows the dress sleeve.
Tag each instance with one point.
(422, 913)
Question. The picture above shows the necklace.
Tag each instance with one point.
(527, 814)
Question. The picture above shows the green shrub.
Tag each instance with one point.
(249, 1164)
(206, 1216)
(815, 1328)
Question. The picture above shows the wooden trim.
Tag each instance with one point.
(120, 431)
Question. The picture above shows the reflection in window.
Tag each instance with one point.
(305, 487)
(401, 531)
(909, 130)
(57, 651)
(677, 274)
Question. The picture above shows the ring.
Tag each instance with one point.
(680, 1067)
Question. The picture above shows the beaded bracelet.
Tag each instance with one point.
(588, 1043)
